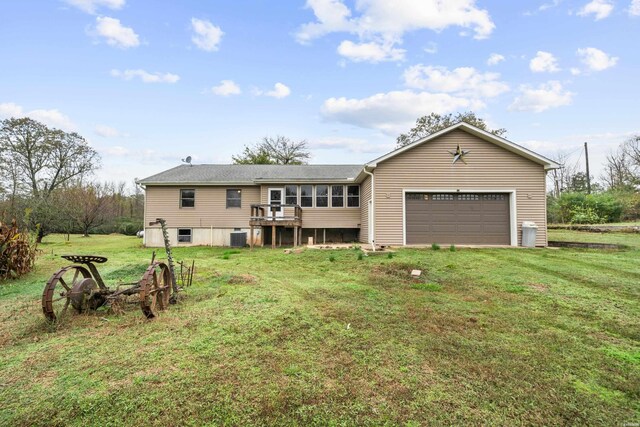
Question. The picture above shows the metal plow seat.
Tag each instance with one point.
(85, 259)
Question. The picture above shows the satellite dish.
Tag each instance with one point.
(187, 160)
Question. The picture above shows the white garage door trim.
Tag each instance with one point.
(513, 216)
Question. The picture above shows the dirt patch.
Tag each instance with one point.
(395, 273)
(243, 279)
(540, 287)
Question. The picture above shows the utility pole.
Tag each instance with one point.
(586, 157)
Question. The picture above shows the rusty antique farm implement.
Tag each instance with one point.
(81, 286)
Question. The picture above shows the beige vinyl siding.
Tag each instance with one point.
(365, 196)
(323, 217)
(210, 206)
(428, 166)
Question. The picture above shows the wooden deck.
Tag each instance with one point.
(275, 215)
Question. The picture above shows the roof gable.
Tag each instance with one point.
(473, 130)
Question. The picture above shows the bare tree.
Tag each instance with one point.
(632, 149)
(563, 176)
(89, 206)
(44, 160)
(619, 170)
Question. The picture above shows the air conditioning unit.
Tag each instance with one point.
(238, 239)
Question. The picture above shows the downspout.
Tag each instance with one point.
(144, 216)
(372, 226)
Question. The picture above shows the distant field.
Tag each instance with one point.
(485, 337)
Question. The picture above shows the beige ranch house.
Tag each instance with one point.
(461, 186)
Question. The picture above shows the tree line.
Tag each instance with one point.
(45, 183)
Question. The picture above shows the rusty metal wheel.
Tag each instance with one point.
(58, 291)
(155, 289)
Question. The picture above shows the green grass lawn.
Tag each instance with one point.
(487, 336)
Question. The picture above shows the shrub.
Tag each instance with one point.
(390, 255)
(332, 258)
(17, 251)
(452, 248)
(630, 205)
(435, 246)
(582, 214)
(360, 256)
(580, 208)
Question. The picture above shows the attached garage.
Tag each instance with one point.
(457, 218)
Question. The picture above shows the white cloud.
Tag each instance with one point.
(279, 90)
(207, 36)
(545, 96)
(432, 47)
(116, 151)
(53, 117)
(115, 33)
(634, 8)
(600, 9)
(226, 88)
(544, 62)
(384, 23)
(550, 5)
(575, 71)
(370, 52)
(352, 145)
(90, 6)
(106, 131)
(145, 76)
(595, 59)
(393, 112)
(9, 109)
(494, 59)
(464, 81)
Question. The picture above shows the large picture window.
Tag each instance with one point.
(234, 198)
(322, 196)
(187, 198)
(184, 235)
(291, 195)
(337, 196)
(353, 196)
(306, 196)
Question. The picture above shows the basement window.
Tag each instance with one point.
(187, 198)
(184, 235)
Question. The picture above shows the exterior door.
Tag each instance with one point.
(462, 218)
(275, 198)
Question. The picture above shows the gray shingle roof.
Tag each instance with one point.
(250, 174)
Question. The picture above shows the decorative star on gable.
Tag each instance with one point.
(459, 154)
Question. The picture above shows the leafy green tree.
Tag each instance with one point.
(274, 151)
(255, 155)
(426, 125)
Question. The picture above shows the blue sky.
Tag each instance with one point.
(150, 82)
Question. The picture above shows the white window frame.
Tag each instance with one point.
(190, 235)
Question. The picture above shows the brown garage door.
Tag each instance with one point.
(462, 218)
